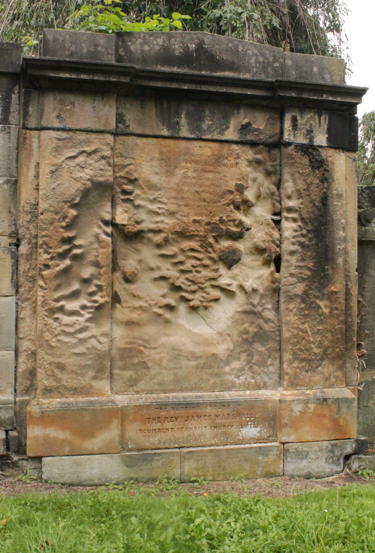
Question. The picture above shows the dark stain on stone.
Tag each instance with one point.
(240, 187)
(310, 134)
(231, 257)
(294, 123)
(247, 130)
(121, 123)
(116, 297)
(61, 120)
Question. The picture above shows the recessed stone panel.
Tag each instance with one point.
(186, 424)
(310, 416)
(313, 271)
(224, 463)
(55, 428)
(173, 117)
(75, 264)
(195, 287)
(27, 266)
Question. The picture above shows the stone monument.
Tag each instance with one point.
(186, 281)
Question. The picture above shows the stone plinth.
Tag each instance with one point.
(186, 258)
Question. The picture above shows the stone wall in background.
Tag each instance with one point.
(187, 286)
(9, 128)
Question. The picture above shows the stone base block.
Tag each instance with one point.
(92, 470)
(362, 462)
(3, 442)
(224, 463)
(58, 428)
(311, 416)
(7, 416)
(317, 459)
(12, 441)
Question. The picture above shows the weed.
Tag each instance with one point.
(27, 478)
(166, 484)
(198, 482)
(366, 473)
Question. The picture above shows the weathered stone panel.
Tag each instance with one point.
(168, 116)
(311, 416)
(27, 263)
(199, 423)
(195, 288)
(75, 263)
(313, 274)
(60, 428)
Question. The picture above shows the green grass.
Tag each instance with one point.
(112, 521)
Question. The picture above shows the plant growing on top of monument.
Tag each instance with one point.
(109, 18)
(366, 150)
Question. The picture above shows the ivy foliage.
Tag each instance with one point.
(306, 26)
(366, 150)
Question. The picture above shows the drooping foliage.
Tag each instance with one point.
(307, 26)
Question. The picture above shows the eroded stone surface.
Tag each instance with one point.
(308, 416)
(313, 273)
(195, 287)
(184, 424)
(173, 117)
(95, 470)
(57, 428)
(351, 274)
(224, 463)
(75, 262)
(27, 263)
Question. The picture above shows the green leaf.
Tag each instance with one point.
(177, 24)
(176, 15)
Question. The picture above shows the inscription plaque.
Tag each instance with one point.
(165, 425)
